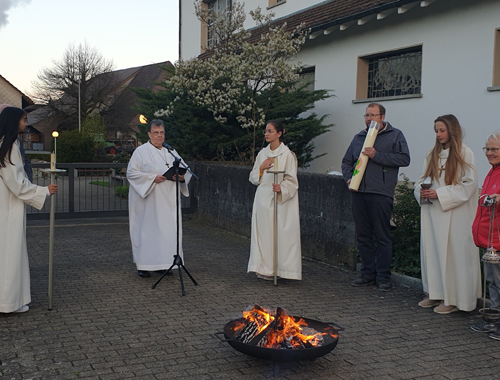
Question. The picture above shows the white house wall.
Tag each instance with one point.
(191, 26)
(457, 60)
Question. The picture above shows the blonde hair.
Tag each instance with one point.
(455, 164)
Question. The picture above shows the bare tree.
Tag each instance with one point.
(83, 72)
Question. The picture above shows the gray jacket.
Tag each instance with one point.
(381, 175)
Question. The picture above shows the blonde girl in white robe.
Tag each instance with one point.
(15, 191)
(448, 257)
(261, 246)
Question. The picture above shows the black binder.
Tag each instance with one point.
(170, 173)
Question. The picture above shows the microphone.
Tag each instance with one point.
(165, 145)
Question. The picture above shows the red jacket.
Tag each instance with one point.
(481, 225)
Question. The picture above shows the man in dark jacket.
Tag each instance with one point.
(372, 202)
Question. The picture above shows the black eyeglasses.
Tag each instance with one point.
(366, 116)
(492, 150)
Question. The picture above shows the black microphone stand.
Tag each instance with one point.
(177, 258)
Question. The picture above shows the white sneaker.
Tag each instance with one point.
(22, 309)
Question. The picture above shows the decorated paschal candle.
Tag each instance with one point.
(359, 169)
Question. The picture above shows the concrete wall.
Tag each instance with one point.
(224, 197)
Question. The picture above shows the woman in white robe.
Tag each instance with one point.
(261, 246)
(449, 259)
(15, 191)
(152, 204)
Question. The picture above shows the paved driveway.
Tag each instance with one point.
(107, 323)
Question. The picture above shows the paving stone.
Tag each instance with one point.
(107, 322)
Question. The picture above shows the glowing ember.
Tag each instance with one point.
(279, 331)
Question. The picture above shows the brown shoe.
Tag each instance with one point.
(426, 302)
(441, 309)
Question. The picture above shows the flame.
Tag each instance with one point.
(260, 317)
(290, 332)
(285, 331)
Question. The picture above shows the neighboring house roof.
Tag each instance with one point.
(119, 116)
(120, 113)
(31, 129)
(26, 101)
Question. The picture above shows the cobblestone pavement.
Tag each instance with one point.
(107, 323)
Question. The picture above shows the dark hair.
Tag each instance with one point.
(278, 125)
(156, 123)
(9, 128)
(381, 108)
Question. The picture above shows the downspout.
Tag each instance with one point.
(180, 28)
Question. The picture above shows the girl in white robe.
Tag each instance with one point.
(449, 259)
(261, 246)
(15, 191)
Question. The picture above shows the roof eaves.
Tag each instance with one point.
(359, 15)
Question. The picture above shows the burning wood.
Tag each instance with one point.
(256, 320)
(279, 331)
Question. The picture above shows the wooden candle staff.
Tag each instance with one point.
(53, 170)
(275, 171)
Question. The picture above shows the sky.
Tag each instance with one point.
(131, 33)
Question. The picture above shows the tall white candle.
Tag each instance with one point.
(275, 167)
(362, 161)
(52, 161)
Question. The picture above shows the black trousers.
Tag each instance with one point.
(372, 215)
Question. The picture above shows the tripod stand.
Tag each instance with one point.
(177, 258)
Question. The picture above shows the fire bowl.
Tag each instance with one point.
(331, 338)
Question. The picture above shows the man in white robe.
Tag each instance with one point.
(152, 203)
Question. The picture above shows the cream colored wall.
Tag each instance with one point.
(191, 27)
(458, 45)
(457, 68)
(9, 94)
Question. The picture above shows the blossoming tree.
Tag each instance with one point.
(231, 75)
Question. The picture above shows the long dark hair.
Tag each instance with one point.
(278, 125)
(9, 128)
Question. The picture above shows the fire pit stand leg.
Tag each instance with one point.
(276, 369)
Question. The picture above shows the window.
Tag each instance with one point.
(273, 3)
(221, 8)
(390, 74)
(307, 75)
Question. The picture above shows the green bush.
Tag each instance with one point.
(73, 146)
(122, 191)
(406, 235)
(39, 156)
(122, 157)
